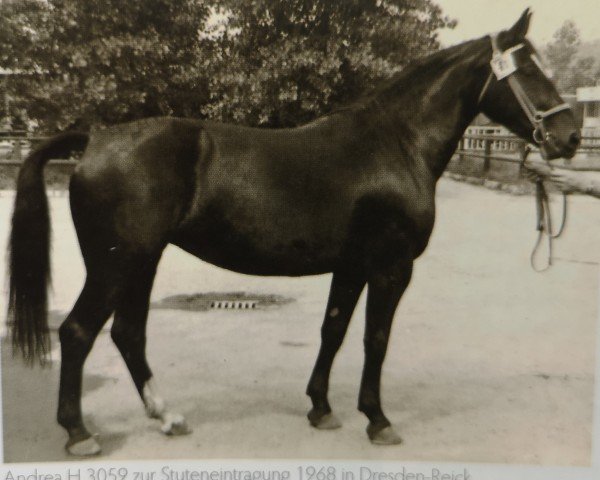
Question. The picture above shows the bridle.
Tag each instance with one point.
(503, 66)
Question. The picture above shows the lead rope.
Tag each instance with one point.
(544, 219)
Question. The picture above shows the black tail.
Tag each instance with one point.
(29, 249)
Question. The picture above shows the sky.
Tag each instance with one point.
(480, 17)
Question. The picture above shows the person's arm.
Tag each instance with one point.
(572, 181)
(568, 180)
(538, 167)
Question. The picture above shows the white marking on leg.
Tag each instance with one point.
(172, 423)
(155, 405)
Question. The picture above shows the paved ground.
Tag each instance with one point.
(488, 361)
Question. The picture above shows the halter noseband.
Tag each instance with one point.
(504, 66)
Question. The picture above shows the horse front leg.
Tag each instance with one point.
(343, 295)
(385, 288)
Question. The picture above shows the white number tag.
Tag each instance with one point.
(503, 65)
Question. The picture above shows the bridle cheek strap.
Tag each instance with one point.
(536, 117)
(485, 88)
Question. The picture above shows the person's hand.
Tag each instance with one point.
(533, 170)
(568, 182)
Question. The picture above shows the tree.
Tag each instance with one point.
(276, 63)
(17, 39)
(584, 73)
(105, 61)
(570, 71)
(297, 59)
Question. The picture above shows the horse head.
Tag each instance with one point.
(520, 95)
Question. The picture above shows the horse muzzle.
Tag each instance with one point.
(553, 146)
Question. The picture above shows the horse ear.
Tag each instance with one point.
(519, 29)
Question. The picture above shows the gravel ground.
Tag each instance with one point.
(488, 361)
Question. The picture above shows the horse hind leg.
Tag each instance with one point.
(115, 283)
(343, 295)
(129, 335)
(77, 334)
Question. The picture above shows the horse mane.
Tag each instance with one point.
(415, 73)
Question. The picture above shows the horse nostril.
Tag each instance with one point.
(575, 139)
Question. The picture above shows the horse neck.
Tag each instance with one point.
(430, 109)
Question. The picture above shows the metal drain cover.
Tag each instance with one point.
(221, 301)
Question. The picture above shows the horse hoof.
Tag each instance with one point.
(83, 448)
(175, 424)
(384, 436)
(324, 422)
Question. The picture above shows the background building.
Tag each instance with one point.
(589, 98)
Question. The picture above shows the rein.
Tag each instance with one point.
(544, 219)
(544, 224)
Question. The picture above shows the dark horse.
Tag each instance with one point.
(351, 193)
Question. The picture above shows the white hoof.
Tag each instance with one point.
(327, 422)
(386, 436)
(85, 448)
(174, 424)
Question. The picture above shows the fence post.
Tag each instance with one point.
(461, 149)
(487, 152)
(523, 150)
(18, 151)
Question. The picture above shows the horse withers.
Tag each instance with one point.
(351, 193)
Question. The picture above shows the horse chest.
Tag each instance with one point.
(400, 216)
(412, 225)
